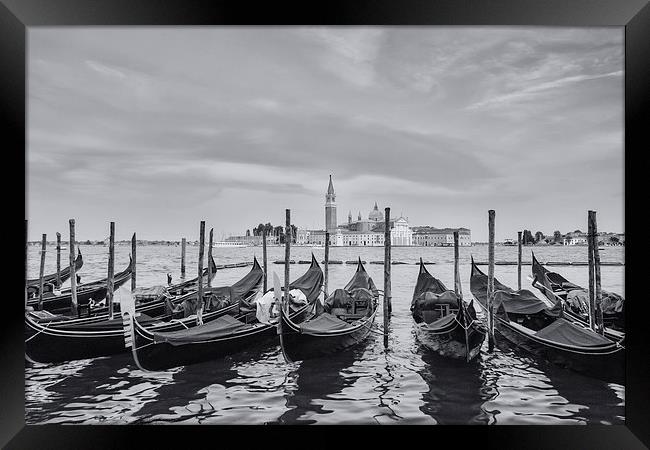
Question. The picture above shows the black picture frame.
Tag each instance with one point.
(17, 15)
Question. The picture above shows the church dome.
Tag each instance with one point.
(375, 214)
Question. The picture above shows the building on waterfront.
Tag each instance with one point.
(575, 238)
(251, 240)
(427, 236)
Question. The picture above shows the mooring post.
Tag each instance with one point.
(327, 261)
(199, 307)
(133, 262)
(387, 267)
(183, 243)
(41, 273)
(111, 271)
(264, 259)
(599, 305)
(26, 255)
(210, 259)
(519, 261)
(387, 261)
(58, 260)
(490, 288)
(74, 307)
(600, 328)
(592, 281)
(287, 255)
(457, 286)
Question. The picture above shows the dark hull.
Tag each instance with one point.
(91, 338)
(50, 345)
(542, 282)
(453, 343)
(33, 285)
(607, 365)
(606, 362)
(96, 291)
(298, 346)
(160, 356)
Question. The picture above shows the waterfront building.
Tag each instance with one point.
(427, 236)
(575, 238)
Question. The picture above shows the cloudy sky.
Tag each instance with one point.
(158, 128)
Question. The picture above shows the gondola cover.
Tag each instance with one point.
(565, 332)
(522, 302)
(221, 326)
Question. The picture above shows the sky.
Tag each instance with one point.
(158, 128)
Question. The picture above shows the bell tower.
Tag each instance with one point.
(330, 208)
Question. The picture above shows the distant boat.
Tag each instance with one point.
(228, 244)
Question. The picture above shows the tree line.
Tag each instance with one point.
(273, 231)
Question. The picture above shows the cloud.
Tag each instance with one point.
(187, 122)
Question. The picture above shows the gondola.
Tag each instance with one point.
(575, 298)
(444, 324)
(49, 281)
(344, 320)
(88, 293)
(528, 323)
(55, 338)
(155, 349)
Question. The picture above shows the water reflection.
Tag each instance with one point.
(456, 390)
(311, 382)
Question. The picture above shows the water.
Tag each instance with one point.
(364, 385)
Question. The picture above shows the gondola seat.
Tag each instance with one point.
(442, 323)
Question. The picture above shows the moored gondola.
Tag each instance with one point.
(444, 324)
(154, 349)
(87, 294)
(575, 299)
(345, 319)
(528, 323)
(56, 338)
(49, 281)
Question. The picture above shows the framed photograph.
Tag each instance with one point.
(376, 214)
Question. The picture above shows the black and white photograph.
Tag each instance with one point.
(410, 225)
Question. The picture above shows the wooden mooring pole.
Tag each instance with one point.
(41, 273)
(287, 256)
(26, 255)
(457, 285)
(133, 261)
(590, 259)
(110, 281)
(387, 267)
(210, 259)
(600, 328)
(490, 288)
(199, 307)
(264, 259)
(74, 306)
(519, 261)
(58, 260)
(183, 244)
(327, 263)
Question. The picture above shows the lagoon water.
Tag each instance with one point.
(364, 385)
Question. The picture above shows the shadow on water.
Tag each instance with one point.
(457, 390)
(312, 381)
(537, 392)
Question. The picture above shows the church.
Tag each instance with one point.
(362, 232)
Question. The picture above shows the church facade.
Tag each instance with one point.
(361, 232)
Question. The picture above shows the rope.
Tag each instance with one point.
(32, 337)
